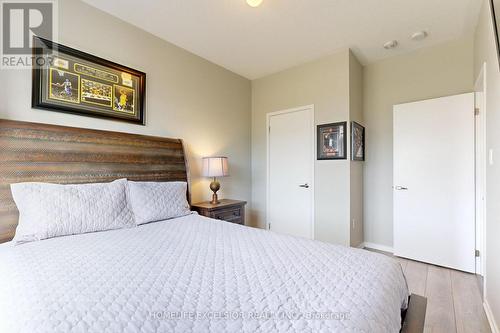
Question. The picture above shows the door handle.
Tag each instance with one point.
(306, 185)
(401, 188)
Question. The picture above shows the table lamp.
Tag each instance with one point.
(214, 167)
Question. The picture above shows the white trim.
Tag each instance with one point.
(379, 247)
(313, 158)
(480, 86)
(491, 319)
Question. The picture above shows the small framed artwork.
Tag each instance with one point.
(357, 142)
(332, 143)
(71, 81)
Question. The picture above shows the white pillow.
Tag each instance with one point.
(50, 210)
(156, 201)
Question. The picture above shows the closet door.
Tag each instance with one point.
(290, 188)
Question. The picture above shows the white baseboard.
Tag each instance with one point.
(491, 319)
(379, 247)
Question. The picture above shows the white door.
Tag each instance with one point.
(290, 172)
(434, 181)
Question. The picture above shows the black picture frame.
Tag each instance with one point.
(495, 17)
(85, 84)
(357, 142)
(332, 141)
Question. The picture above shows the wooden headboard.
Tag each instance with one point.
(31, 152)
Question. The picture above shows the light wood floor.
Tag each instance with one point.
(454, 301)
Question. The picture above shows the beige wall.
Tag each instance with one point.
(187, 96)
(356, 172)
(324, 83)
(485, 51)
(427, 73)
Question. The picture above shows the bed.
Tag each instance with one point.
(188, 274)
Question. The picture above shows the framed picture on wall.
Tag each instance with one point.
(357, 142)
(71, 81)
(495, 14)
(331, 141)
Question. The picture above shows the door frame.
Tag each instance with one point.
(309, 108)
(481, 155)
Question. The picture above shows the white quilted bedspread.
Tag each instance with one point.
(194, 274)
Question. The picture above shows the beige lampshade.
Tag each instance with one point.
(215, 166)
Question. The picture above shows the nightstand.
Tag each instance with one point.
(228, 210)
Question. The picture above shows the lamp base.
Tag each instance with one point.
(215, 186)
(215, 199)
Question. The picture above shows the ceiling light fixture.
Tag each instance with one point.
(419, 35)
(254, 3)
(390, 44)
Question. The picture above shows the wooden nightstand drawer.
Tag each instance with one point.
(224, 214)
(227, 210)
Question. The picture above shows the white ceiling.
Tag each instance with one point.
(279, 34)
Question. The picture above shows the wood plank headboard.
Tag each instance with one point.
(31, 152)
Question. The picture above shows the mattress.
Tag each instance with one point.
(195, 274)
